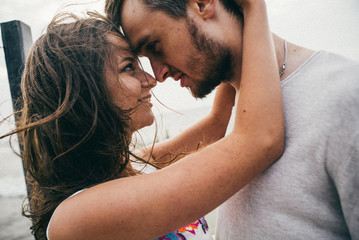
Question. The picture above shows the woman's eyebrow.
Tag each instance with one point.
(130, 59)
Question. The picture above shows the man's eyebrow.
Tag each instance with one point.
(141, 42)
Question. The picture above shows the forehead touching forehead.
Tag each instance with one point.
(118, 41)
(119, 49)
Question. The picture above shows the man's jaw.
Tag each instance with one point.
(185, 81)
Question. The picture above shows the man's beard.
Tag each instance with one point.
(215, 61)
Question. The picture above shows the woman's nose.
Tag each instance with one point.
(148, 81)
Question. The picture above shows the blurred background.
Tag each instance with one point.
(330, 25)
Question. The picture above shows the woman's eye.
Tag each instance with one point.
(129, 67)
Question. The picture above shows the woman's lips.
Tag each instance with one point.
(146, 99)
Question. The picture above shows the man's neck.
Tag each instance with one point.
(296, 56)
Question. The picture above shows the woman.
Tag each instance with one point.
(84, 95)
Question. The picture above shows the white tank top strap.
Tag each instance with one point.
(48, 225)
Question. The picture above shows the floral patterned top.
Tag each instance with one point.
(197, 230)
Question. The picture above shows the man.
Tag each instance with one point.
(312, 191)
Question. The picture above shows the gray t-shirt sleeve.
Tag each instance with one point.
(351, 192)
(342, 158)
(345, 176)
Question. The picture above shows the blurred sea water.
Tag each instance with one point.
(12, 181)
(169, 124)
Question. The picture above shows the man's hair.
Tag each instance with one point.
(174, 8)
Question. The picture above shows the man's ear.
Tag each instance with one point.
(204, 8)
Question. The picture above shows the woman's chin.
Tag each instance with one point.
(146, 122)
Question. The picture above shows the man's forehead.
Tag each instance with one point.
(132, 11)
(141, 24)
(134, 19)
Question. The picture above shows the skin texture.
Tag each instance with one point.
(148, 206)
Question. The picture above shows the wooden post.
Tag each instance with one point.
(17, 41)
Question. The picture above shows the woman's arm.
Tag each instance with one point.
(208, 130)
(151, 205)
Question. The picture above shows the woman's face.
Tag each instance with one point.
(130, 88)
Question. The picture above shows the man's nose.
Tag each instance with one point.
(161, 71)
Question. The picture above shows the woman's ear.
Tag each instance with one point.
(204, 8)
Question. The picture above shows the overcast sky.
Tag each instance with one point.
(318, 24)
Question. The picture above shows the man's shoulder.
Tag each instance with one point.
(323, 65)
(334, 61)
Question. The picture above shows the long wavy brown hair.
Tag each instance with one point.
(71, 133)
